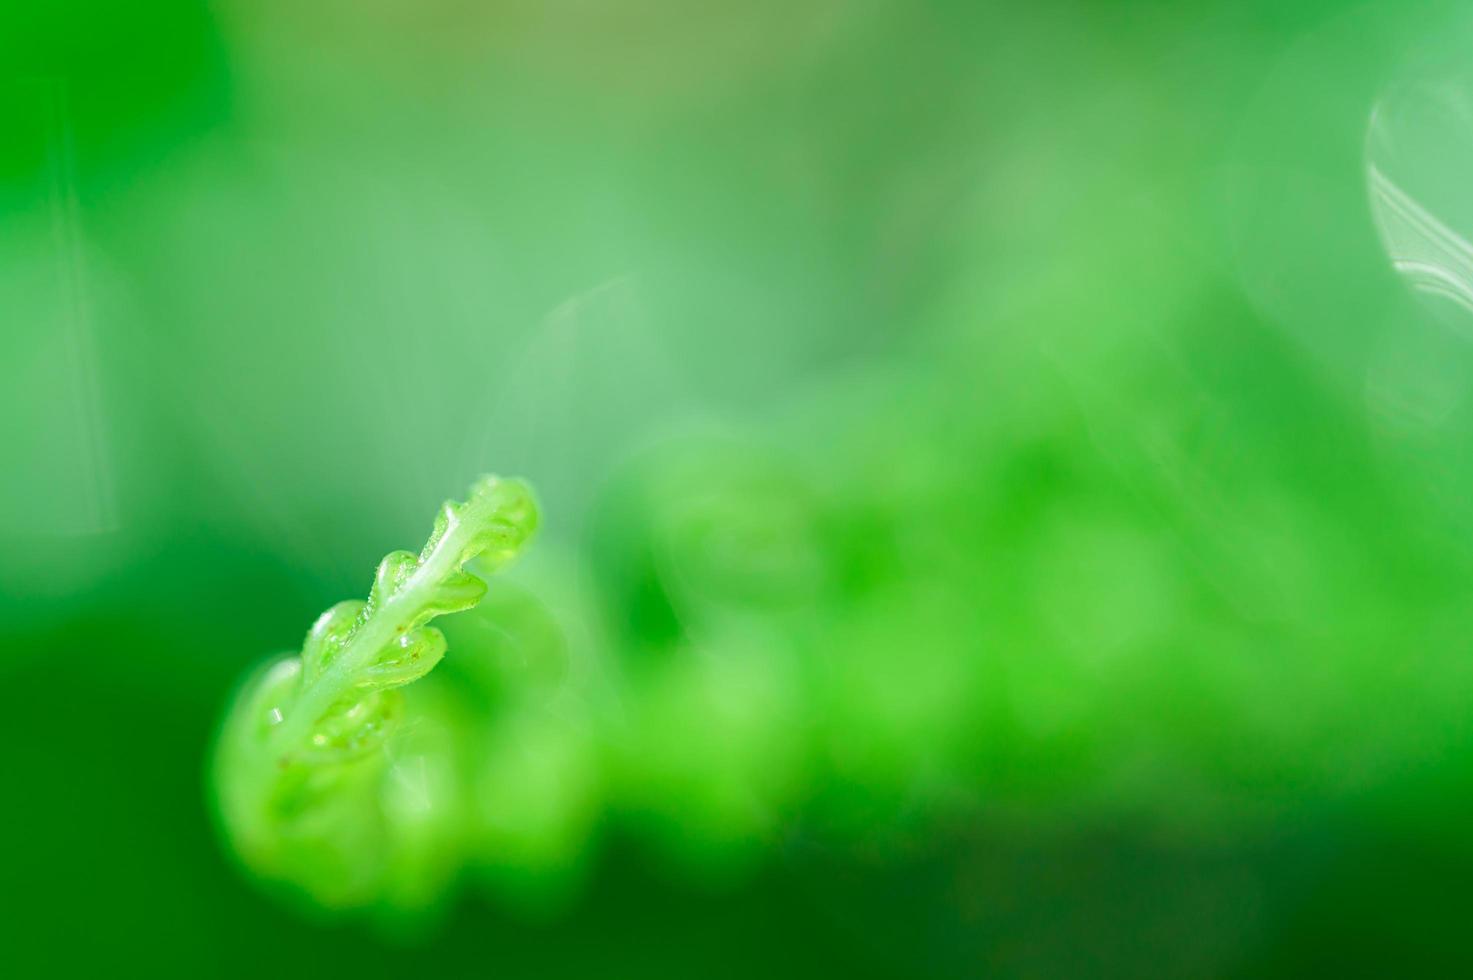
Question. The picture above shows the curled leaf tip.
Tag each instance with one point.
(299, 770)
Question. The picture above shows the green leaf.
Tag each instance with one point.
(303, 761)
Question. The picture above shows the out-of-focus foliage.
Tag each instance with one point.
(1004, 513)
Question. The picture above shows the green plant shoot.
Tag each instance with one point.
(327, 779)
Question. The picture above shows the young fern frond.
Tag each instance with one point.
(305, 771)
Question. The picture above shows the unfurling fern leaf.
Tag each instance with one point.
(320, 783)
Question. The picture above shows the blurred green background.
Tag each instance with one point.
(1004, 514)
